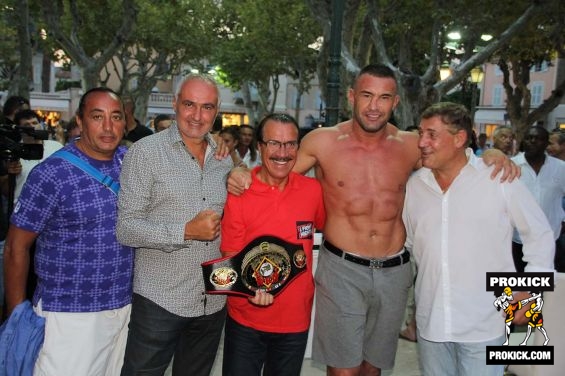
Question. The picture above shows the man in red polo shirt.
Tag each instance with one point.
(266, 331)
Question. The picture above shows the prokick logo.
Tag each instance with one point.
(504, 285)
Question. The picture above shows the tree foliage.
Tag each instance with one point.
(260, 40)
(18, 41)
(9, 57)
(540, 42)
(168, 36)
(89, 32)
(411, 37)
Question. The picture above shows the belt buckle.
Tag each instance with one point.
(375, 263)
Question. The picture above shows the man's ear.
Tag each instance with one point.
(79, 122)
(461, 138)
(350, 96)
(396, 101)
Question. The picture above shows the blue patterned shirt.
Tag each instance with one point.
(80, 265)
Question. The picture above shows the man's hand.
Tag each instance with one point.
(205, 226)
(262, 298)
(239, 180)
(222, 151)
(510, 170)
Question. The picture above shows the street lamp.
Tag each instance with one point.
(477, 76)
(444, 71)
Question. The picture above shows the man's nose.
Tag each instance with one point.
(107, 123)
(197, 113)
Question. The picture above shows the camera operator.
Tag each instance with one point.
(28, 119)
(27, 125)
(12, 106)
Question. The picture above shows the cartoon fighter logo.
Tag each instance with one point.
(504, 302)
(536, 319)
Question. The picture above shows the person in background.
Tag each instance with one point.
(230, 135)
(11, 107)
(218, 125)
(556, 149)
(84, 275)
(482, 144)
(556, 146)
(247, 147)
(544, 176)
(171, 201)
(22, 167)
(162, 122)
(503, 140)
(72, 131)
(134, 129)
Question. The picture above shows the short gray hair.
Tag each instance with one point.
(500, 129)
(201, 77)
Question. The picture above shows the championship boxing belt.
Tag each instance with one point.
(267, 263)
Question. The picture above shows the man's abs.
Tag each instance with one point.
(365, 237)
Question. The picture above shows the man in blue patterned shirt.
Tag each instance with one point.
(84, 275)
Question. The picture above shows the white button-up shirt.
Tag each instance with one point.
(548, 188)
(457, 237)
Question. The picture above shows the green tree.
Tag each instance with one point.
(8, 46)
(542, 40)
(89, 32)
(168, 36)
(258, 41)
(16, 47)
(411, 37)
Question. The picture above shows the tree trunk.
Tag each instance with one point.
(246, 92)
(90, 66)
(23, 77)
(297, 103)
(45, 73)
(90, 76)
(416, 91)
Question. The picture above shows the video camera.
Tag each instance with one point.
(11, 147)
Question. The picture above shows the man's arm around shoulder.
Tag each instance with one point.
(16, 265)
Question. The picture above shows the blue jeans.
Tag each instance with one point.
(247, 350)
(457, 358)
(155, 335)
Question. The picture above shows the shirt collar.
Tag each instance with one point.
(259, 186)
(474, 163)
(520, 159)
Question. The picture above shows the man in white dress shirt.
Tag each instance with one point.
(459, 225)
(545, 178)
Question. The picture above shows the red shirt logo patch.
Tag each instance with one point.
(304, 230)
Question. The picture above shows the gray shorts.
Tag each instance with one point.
(359, 312)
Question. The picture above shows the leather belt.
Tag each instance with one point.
(373, 263)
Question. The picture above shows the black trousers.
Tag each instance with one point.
(156, 335)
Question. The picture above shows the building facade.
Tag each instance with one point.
(491, 111)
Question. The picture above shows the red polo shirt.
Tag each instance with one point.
(265, 210)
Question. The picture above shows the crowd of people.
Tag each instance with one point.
(120, 219)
